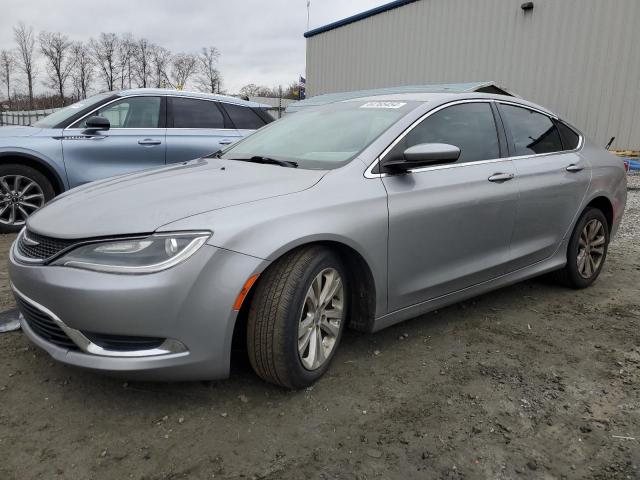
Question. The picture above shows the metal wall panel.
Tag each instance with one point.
(579, 58)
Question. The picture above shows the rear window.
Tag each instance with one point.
(243, 117)
(194, 113)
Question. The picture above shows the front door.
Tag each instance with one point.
(553, 179)
(134, 141)
(450, 225)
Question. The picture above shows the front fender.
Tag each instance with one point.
(44, 151)
(344, 209)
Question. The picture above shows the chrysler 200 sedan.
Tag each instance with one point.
(111, 134)
(364, 212)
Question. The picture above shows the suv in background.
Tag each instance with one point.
(112, 134)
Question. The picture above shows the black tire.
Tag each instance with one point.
(14, 169)
(275, 313)
(570, 275)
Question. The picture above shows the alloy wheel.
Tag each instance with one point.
(591, 247)
(19, 197)
(321, 318)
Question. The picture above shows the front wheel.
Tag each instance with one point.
(587, 250)
(297, 316)
(23, 190)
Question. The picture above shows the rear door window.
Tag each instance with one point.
(194, 113)
(531, 132)
(244, 118)
(469, 126)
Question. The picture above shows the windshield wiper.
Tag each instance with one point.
(269, 161)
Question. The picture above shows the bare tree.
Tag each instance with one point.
(161, 57)
(105, 51)
(7, 67)
(126, 49)
(26, 47)
(143, 64)
(82, 74)
(56, 49)
(253, 90)
(209, 79)
(183, 66)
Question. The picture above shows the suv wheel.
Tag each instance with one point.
(297, 316)
(23, 190)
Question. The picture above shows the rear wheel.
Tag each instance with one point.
(23, 190)
(587, 250)
(297, 316)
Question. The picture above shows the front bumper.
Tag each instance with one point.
(188, 306)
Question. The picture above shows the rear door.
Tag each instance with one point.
(135, 140)
(552, 178)
(450, 224)
(196, 128)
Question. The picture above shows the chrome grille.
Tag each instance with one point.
(39, 247)
(44, 326)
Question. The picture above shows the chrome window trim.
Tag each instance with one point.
(166, 95)
(369, 171)
(168, 347)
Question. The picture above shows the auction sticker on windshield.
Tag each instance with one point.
(384, 105)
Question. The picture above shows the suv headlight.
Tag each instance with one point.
(135, 255)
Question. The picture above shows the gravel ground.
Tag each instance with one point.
(531, 381)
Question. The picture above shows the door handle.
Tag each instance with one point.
(226, 141)
(574, 168)
(149, 142)
(501, 177)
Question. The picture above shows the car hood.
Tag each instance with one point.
(8, 132)
(144, 201)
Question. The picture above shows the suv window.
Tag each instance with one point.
(570, 139)
(133, 112)
(243, 117)
(194, 113)
(531, 132)
(469, 126)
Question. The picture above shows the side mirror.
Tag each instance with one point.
(98, 123)
(424, 154)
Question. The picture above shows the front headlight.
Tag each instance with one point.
(135, 255)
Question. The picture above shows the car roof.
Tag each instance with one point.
(187, 94)
(485, 87)
(434, 98)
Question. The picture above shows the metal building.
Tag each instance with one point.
(579, 58)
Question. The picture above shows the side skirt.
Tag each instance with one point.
(553, 263)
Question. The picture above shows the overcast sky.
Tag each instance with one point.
(261, 41)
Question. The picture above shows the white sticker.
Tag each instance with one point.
(384, 105)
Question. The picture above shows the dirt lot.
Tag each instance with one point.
(532, 381)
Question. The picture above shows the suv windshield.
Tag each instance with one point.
(323, 137)
(56, 118)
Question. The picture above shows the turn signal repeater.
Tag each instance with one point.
(245, 291)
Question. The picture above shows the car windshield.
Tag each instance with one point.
(56, 118)
(323, 137)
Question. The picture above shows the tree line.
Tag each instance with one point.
(72, 69)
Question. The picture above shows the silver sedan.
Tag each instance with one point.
(360, 213)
